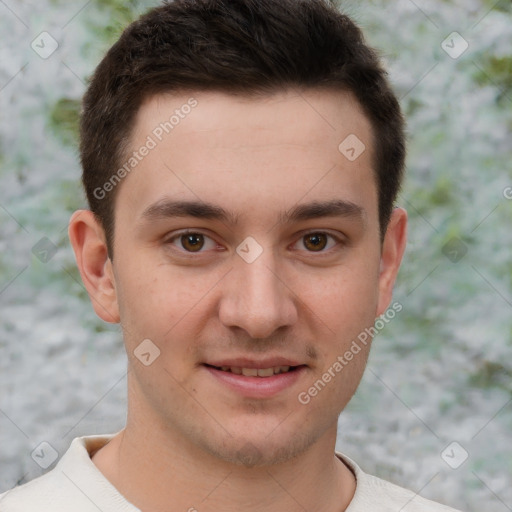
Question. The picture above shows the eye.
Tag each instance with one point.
(191, 241)
(318, 241)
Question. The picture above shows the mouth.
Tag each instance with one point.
(257, 380)
(256, 372)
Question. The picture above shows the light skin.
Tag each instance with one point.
(191, 439)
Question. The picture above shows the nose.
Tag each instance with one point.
(257, 297)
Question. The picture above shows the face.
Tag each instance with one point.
(247, 251)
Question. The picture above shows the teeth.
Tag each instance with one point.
(256, 372)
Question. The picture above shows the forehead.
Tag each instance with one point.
(272, 149)
(309, 116)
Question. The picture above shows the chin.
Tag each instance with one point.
(260, 452)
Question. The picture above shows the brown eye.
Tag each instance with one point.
(192, 242)
(186, 243)
(315, 241)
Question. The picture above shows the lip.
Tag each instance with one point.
(257, 387)
(242, 362)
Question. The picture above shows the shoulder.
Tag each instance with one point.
(74, 484)
(32, 496)
(373, 493)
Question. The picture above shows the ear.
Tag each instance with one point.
(88, 240)
(393, 248)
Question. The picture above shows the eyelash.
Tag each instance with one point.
(177, 236)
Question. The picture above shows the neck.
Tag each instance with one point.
(154, 471)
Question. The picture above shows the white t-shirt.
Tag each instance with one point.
(77, 485)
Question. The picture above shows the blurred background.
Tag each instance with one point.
(434, 410)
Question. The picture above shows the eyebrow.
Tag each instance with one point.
(167, 208)
(318, 209)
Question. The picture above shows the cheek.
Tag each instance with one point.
(346, 300)
(159, 302)
(141, 306)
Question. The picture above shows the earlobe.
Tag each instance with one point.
(393, 248)
(88, 241)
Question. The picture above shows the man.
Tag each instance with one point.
(241, 159)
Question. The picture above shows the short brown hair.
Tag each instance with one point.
(239, 47)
